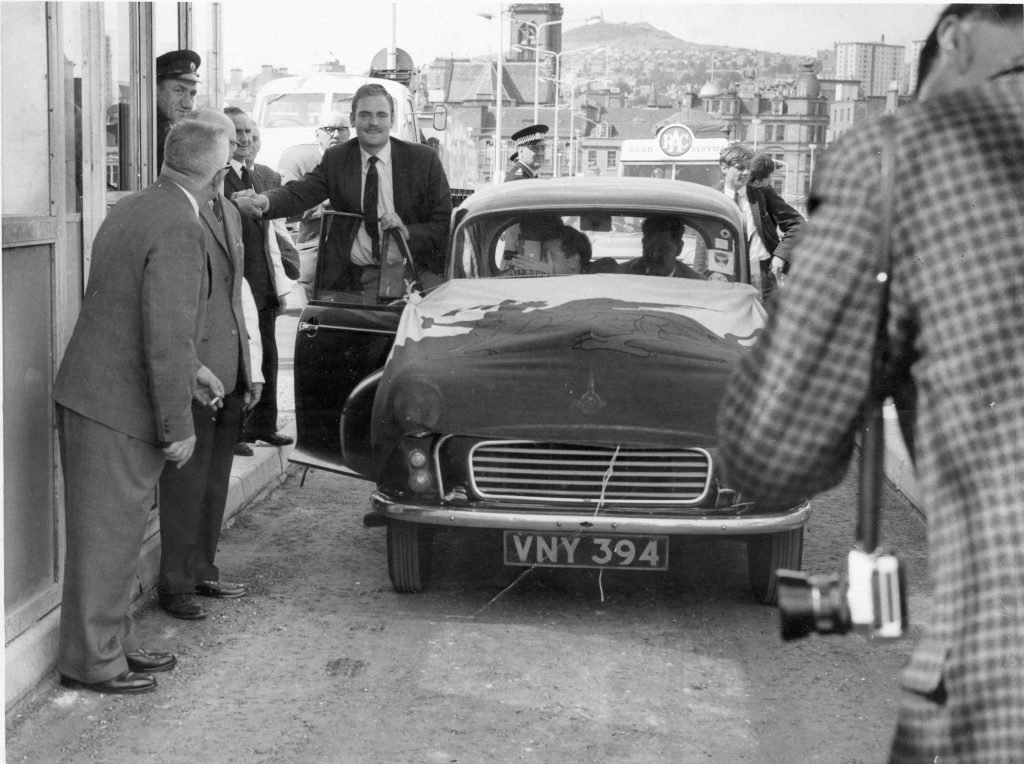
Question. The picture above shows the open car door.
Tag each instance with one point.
(343, 340)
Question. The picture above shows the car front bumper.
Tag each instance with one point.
(516, 518)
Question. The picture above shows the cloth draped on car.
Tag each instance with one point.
(619, 360)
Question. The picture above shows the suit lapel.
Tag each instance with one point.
(399, 188)
(216, 226)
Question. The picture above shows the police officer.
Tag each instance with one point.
(531, 146)
(177, 81)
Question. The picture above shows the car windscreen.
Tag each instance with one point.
(549, 244)
(302, 109)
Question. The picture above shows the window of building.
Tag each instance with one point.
(121, 109)
(612, 160)
(591, 157)
(72, 29)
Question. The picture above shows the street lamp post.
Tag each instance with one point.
(496, 175)
(754, 124)
(558, 80)
(536, 56)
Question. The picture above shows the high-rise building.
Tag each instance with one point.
(874, 64)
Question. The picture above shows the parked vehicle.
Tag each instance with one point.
(289, 109)
(574, 414)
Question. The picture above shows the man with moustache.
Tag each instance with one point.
(176, 86)
(124, 392)
(193, 498)
(393, 184)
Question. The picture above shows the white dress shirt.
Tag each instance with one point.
(362, 249)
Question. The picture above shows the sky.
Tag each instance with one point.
(299, 33)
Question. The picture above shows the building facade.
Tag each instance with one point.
(875, 64)
(79, 122)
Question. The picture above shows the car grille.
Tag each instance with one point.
(517, 470)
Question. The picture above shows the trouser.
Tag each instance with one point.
(109, 482)
(192, 499)
(262, 420)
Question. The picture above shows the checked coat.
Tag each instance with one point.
(956, 329)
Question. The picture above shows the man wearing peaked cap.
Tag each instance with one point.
(531, 146)
(177, 79)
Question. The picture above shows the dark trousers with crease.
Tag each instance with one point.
(192, 499)
(262, 420)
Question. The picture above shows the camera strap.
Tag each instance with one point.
(872, 454)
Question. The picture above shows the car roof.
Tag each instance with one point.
(649, 194)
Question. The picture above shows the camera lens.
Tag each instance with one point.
(811, 604)
(796, 605)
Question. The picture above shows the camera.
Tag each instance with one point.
(871, 600)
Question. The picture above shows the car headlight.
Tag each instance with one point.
(417, 406)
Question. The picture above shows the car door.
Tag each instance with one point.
(343, 339)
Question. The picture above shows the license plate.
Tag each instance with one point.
(585, 550)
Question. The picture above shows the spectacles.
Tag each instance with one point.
(333, 130)
(233, 143)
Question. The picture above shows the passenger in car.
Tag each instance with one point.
(563, 252)
(662, 243)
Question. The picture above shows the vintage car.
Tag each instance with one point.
(575, 414)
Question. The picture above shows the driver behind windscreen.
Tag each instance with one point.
(661, 244)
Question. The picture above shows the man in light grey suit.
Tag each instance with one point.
(124, 392)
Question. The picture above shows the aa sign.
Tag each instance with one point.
(675, 140)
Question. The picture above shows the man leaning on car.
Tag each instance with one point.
(392, 183)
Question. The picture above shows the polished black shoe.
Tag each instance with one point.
(243, 449)
(128, 683)
(184, 606)
(225, 590)
(150, 663)
(272, 438)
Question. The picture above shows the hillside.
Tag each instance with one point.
(632, 38)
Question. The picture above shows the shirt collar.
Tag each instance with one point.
(384, 155)
(191, 199)
(236, 166)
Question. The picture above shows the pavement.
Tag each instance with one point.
(252, 475)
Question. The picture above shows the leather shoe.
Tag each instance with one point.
(225, 590)
(243, 449)
(184, 606)
(272, 438)
(150, 663)
(128, 683)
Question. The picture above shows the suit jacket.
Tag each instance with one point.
(268, 177)
(423, 199)
(771, 212)
(519, 171)
(223, 345)
(789, 417)
(131, 361)
(259, 261)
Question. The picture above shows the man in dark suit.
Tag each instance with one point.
(192, 498)
(123, 393)
(412, 195)
(177, 78)
(267, 283)
(270, 178)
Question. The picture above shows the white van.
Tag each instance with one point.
(288, 109)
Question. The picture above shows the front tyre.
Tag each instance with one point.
(410, 552)
(766, 554)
